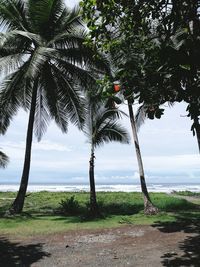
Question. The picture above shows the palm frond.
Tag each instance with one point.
(68, 40)
(106, 115)
(101, 124)
(43, 16)
(54, 104)
(111, 131)
(42, 116)
(76, 73)
(70, 20)
(14, 92)
(12, 14)
(3, 160)
(28, 36)
(36, 63)
(84, 57)
(10, 63)
(140, 116)
(69, 94)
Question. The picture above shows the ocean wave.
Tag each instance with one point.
(165, 188)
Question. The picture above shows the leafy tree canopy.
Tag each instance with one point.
(155, 46)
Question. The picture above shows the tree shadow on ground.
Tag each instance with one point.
(190, 246)
(15, 254)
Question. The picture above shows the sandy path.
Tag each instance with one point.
(125, 246)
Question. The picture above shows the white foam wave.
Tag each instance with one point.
(166, 188)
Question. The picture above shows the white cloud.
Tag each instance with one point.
(47, 145)
(174, 162)
(16, 150)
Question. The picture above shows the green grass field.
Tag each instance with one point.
(43, 213)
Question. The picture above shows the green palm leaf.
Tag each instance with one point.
(42, 116)
(70, 95)
(51, 90)
(111, 131)
(12, 14)
(102, 124)
(3, 160)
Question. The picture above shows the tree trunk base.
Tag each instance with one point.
(15, 209)
(94, 212)
(150, 209)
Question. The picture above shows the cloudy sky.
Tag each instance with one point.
(169, 150)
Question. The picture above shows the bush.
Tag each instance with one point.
(70, 206)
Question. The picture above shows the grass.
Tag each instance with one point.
(43, 213)
(187, 193)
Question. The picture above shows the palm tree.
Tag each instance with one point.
(44, 62)
(3, 160)
(126, 61)
(149, 208)
(101, 126)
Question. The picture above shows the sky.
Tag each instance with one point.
(169, 150)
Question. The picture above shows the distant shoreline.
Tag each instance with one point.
(161, 187)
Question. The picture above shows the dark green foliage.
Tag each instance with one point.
(155, 113)
(70, 206)
(155, 45)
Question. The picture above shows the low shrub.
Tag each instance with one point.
(70, 206)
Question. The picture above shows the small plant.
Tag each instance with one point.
(70, 206)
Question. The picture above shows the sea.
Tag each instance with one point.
(161, 187)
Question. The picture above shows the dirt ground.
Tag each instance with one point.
(158, 245)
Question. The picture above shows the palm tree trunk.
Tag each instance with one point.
(93, 202)
(18, 203)
(149, 208)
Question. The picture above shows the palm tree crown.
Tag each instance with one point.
(102, 126)
(42, 45)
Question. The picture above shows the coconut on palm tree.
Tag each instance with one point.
(101, 126)
(44, 61)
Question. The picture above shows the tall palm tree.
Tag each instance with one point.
(43, 59)
(149, 208)
(3, 160)
(126, 60)
(101, 126)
